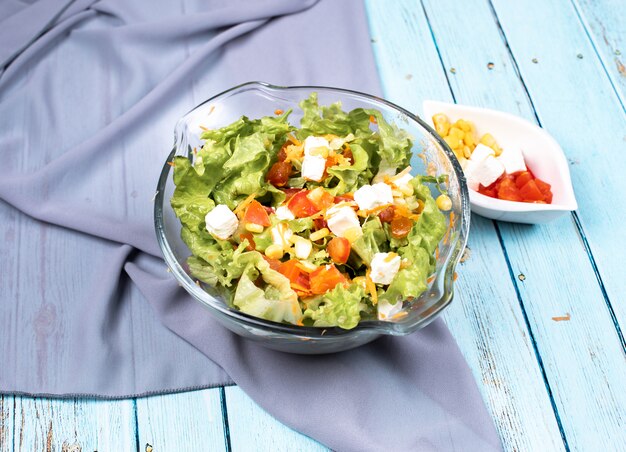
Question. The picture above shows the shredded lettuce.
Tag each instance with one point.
(340, 307)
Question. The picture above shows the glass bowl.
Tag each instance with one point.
(431, 155)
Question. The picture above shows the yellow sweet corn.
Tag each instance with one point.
(319, 234)
(442, 125)
(253, 227)
(274, 251)
(444, 202)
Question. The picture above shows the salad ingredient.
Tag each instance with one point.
(522, 186)
(384, 267)
(221, 222)
(321, 225)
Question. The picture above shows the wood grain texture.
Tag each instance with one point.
(251, 428)
(485, 317)
(180, 422)
(563, 278)
(73, 425)
(605, 22)
(576, 103)
(7, 422)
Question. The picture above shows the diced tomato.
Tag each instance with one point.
(320, 198)
(507, 190)
(488, 191)
(544, 187)
(279, 173)
(274, 263)
(339, 250)
(400, 227)
(248, 235)
(301, 206)
(523, 178)
(325, 278)
(319, 223)
(346, 197)
(530, 192)
(255, 213)
(298, 278)
(386, 215)
(290, 192)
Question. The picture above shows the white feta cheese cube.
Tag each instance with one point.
(283, 213)
(313, 167)
(340, 219)
(484, 173)
(387, 310)
(371, 196)
(221, 222)
(481, 152)
(512, 159)
(312, 142)
(403, 180)
(384, 267)
(281, 235)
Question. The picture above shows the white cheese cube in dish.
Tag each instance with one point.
(371, 196)
(481, 152)
(340, 219)
(313, 167)
(387, 310)
(486, 172)
(312, 142)
(283, 213)
(384, 267)
(512, 159)
(221, 222)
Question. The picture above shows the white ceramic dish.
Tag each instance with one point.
(542, 154)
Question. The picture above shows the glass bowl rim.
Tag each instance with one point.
(319, 333)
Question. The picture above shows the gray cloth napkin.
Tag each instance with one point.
(89, 93)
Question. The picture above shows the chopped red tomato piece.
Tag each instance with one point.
(255, 213)
(298, 278)
(346, 197)
(319, 223)
(522, 178)
(248, 236)
(301, 206)
(488, 191)
(321, 198)
(325, 278)
(274, 263)
(507, 190)
(339, 250)
(290, 192)
(530, 192)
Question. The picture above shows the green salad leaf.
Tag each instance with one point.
(339, 307)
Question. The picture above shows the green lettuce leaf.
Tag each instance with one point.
(190, 200)
(372, 240)
(340, 307)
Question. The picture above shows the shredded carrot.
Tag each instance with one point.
(430, 279)
(172, 164)
(373, 119)
(211, 109)
(195, 151)
(299, 323)
(243, 204)
(390, 257)
(437, 253)
(455, 277)
(294, 140)
(204, 128)
(278, 111)
(398, 315)
(371, 287)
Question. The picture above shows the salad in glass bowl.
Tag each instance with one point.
(311, 227)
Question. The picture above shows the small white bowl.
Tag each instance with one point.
(543, 156)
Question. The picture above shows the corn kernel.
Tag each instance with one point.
(456, 132)
(467, 152)
(361, 281)
(319, 234)
(253, 227)
(274, 251)
(444, 202)
(488, 140)
(469, 140)
(463, 125)
(442, 125)
(453, 142)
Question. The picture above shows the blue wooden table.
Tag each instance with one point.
(540, 310)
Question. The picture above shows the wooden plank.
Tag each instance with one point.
(251, 428)
(7, 422)
(73, 425)
(485, 318)
(576, 103)
(605, 22)
(185, 421)
(587, 353)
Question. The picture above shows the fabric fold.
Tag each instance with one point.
(89, 95)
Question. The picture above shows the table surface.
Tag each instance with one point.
(549, 383)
